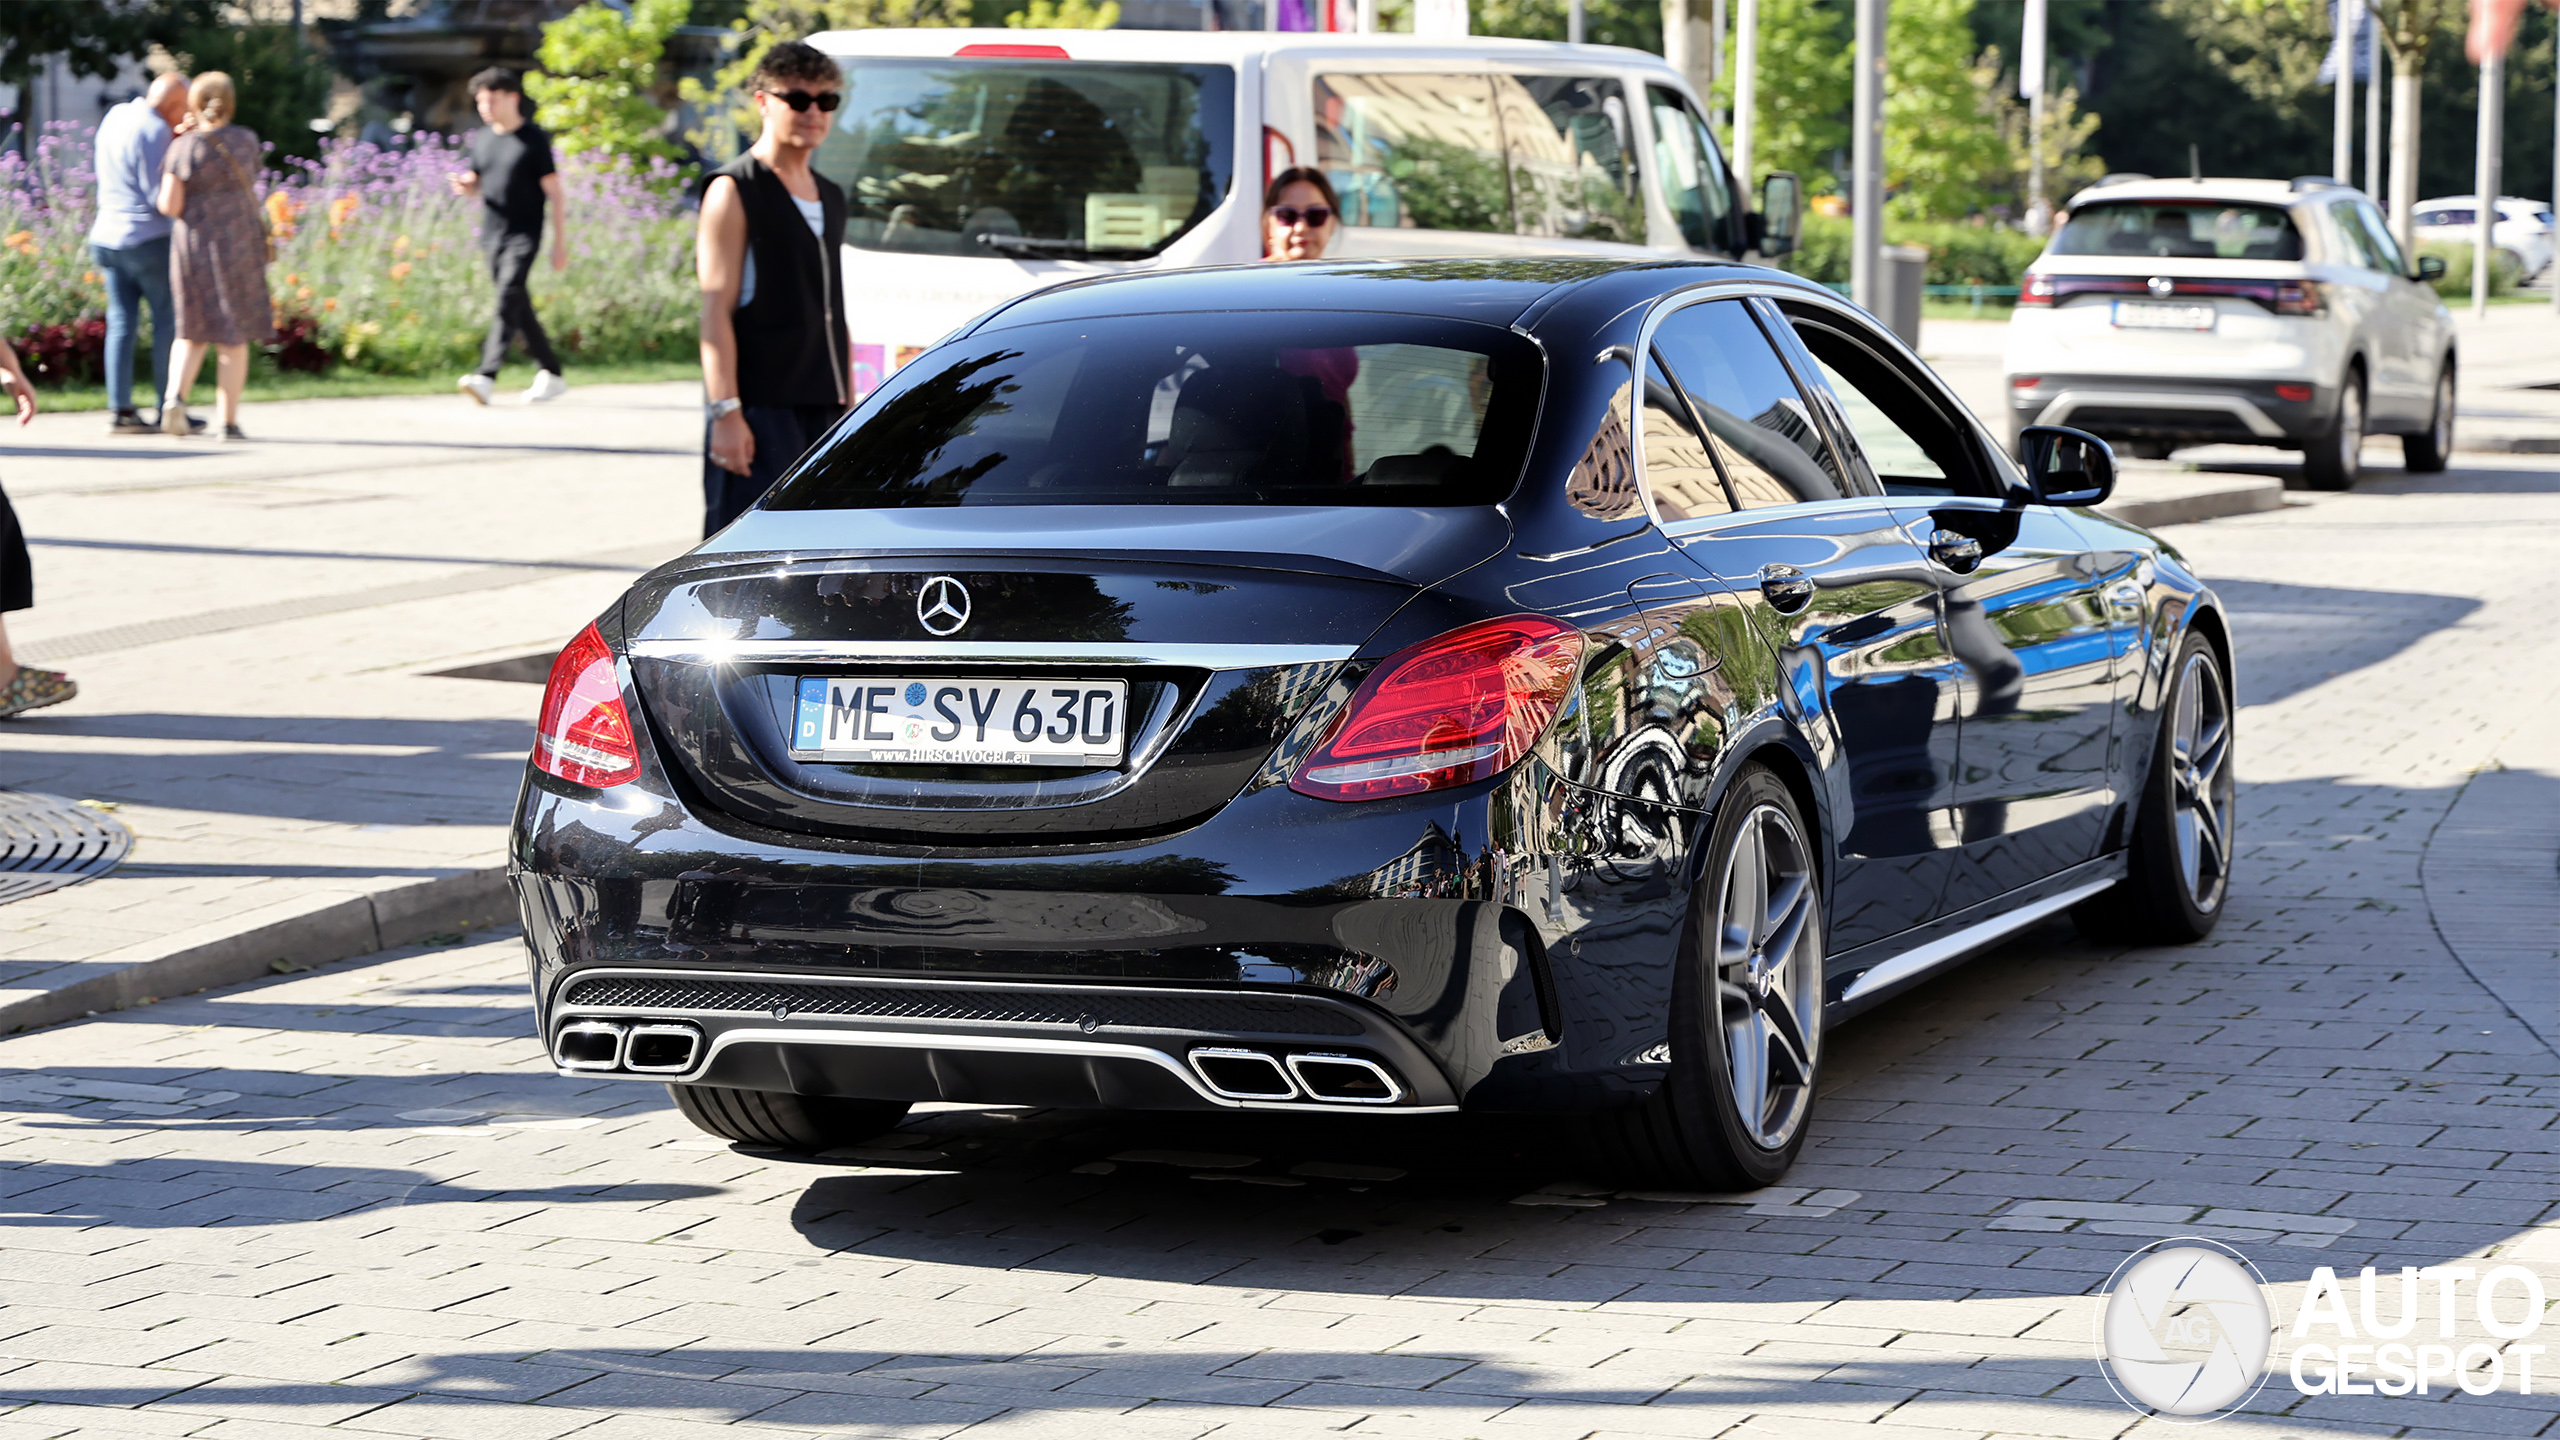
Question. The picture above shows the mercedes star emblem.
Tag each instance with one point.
(942, 605)
(2162, 286)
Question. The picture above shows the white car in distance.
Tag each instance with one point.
(2166, 313)
(2523, 230)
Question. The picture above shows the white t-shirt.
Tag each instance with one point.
(813, 211)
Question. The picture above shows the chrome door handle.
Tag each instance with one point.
(1958, 552)
(1788, 588)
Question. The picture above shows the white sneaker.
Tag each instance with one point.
(545, 386)
(478, 387)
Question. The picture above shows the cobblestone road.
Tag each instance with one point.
(357, 1201)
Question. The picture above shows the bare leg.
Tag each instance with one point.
(231, 374)
(8, 657)
(182, 369)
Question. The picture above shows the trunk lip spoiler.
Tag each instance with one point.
(1186, 655)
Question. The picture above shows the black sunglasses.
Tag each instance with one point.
(801, 100)
(1316, 216)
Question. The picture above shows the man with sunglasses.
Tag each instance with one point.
(775, 351)
(513, 174)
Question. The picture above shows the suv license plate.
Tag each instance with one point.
(894, 720)
(2145, 315)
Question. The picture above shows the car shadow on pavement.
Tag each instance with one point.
(2292, 637)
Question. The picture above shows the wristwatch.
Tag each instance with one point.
(719, 409)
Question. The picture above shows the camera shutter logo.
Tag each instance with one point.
(2185, 1330)
(942, 605)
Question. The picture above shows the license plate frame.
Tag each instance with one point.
(899, 720)
(2160, 315)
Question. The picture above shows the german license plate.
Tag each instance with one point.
(888, 720)
(2144, 315)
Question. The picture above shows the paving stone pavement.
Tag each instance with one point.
(356, 1201)
(256, 630)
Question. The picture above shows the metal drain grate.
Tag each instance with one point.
(47, 842)
(1104, 1006)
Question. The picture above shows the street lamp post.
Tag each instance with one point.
(1746, 91)
(2342, 54)
(2372, 111)
(2031, 67)
(1866, 193)
(2493, 104)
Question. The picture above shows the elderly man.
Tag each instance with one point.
(131, 241)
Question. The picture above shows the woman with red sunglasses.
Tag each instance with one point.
(1299, 215)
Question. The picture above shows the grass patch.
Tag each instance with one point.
(1933, 308)
(266, 384)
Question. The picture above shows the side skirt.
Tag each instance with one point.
(1873, 973)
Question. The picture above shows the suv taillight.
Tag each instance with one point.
(2037, 291)
(584, 736)
(1452, 710)
(2299, 297)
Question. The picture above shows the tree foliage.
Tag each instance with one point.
(767, 23)
(599, 72)
(92, 38)
(1636, 24)
(1943, 152)
(1066, 15)
(283, 82)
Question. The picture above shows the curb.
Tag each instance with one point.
(2509, 445)
(288, 936)
(2206, 505)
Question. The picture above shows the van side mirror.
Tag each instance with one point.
(1780, 224)
(2066, 466)
(2431, 268)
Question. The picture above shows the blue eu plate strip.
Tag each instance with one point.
(813, 713)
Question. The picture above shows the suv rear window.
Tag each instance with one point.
(1029, 157)
(2180, 229)
(1193, 409)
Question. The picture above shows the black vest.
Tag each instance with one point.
(792, 343)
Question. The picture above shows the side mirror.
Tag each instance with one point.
(2431, 268)
(2066, 466)
(1781, 218)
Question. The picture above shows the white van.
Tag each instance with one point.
(978, 165)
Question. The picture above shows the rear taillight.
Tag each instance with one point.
(2298, 297)
(1451, 710)
(2296, 393)
(585, 733)
(2037, 291)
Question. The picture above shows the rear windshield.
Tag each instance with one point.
(1196, 409)
(2181, 230)
(1029, 157)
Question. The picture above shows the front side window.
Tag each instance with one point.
(2378, 239)
(1908, 440)
(2180, 230)
(1691, 173)
(1419, 152)
(1195, 409)
(1029, 158)
(1756, 418)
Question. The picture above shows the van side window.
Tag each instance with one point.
(1690, 171)
(1679, 473)
(1909, 441)
(1573, 173)
(1757, 420)
(1414, 151)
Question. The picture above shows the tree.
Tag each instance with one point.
(767, 23)
(2410, 29)
(1943, 152)
(1066, 15)
(91, 37)
(283, 86)
(2069, 162)
(1801, 119)
(1636, 24)
(599, 69)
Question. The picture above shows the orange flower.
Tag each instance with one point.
(400, 271)
(280, 213)
(400, 246)
(88, 277)
(329, 306)
(302, 294)
(22, 241)
(342, 210)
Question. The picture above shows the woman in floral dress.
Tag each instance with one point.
(218, 257)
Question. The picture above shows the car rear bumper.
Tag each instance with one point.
(2146, 407)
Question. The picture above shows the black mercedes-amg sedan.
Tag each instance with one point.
(1373, 688)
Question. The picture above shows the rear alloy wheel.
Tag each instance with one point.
(1746, 1024)
(2428, 454)
(2335, 458)
(2179, 871)
(792, 1122)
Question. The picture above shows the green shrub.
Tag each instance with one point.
(1959, 254)
(2455, 282)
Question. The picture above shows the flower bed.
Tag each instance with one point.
(378, 263)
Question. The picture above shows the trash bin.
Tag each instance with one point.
(1904, 273)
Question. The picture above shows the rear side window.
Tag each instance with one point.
(1195, 409)
(1679, 473)
(1757, 422)
(2180, 230)
(1542, 155)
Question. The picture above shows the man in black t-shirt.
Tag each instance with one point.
(512, 173)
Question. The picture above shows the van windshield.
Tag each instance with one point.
(1029, 158)
(2180, 229)
(1289, 408)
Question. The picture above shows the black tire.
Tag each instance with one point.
(2178, 881)
(2429, 453)
(793, 1122)
(2335, 457)
(1761, 991)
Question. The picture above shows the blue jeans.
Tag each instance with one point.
(134, 275)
